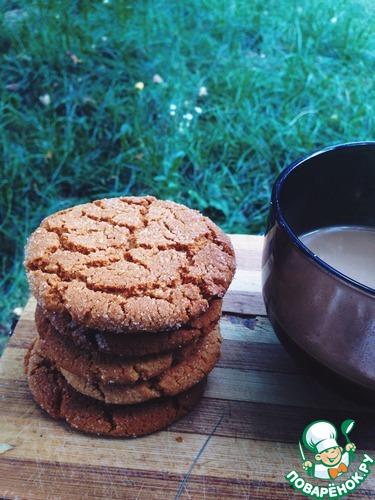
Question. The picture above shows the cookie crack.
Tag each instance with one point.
(76, 247)
(145, 213)
(50, 369)
(168, 228)
(214, 239)
(110, 221)
(130, 258)
(133, 201)
(145, 289)
(112, 259)
(109, 418)
(60, 391)
(66, 245)
(97, 386)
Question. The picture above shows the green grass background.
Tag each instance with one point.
(283, 77)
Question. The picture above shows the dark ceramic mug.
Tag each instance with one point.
(320, 315)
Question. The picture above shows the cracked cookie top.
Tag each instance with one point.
(129, 264)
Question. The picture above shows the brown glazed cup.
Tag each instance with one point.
(324, 318)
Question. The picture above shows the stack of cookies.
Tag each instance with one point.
(129, 294)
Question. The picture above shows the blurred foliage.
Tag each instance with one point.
(282, 78)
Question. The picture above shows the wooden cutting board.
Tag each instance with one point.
(238, 443)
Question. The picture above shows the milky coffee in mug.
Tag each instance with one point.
(349, 249)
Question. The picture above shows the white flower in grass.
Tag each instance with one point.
(104, 38)
(188, 117)
(202, 92)
(198, 110)
(157, 79)
(333, 20)
(18, 311)
(106, 2)
(45, 99)
(172, 107)
(139, 86)
(172, 112)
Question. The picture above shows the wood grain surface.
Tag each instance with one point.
(238, 443)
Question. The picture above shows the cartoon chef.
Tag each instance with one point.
(320, 438)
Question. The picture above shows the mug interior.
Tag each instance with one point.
(332, 188)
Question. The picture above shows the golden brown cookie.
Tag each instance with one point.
(129, 264)
(141, 344)
(94, 366)
(51, 391)
(194, 364)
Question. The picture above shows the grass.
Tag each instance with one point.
(282, 77)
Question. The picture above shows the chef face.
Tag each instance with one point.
(330, 457)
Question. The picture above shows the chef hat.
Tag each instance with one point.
(320, 436)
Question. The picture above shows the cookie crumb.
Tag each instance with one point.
(179, 439)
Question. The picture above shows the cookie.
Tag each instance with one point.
(195, 363)
(93, 366)
(51, 391)
(129, 264)
(141, 344)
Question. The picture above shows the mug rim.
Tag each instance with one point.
(275, 200)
